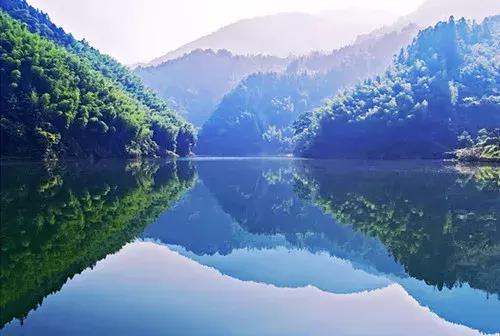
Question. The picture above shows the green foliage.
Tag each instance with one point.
(485, 148)
(56, 223)
(257, 116)
(90, 95)
(444, 83)
(486, 177)
(244, 121)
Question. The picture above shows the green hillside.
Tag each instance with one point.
(60, 96)
(443, 84)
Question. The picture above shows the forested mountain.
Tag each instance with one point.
(195, 83)
(256, 117)
(444, 83)
(61, 96)
(288, 33)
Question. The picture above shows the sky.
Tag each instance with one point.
(135, 31)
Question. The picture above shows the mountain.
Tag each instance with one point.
(195, 83)
(287, 33)
(444, 83)
(256, 117)
(433, 11)
(60, 96)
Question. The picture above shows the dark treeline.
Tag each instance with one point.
(60, 96)
(444, 83)
(57, 222)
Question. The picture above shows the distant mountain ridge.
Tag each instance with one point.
(256, 117)
(195, 83)
(285, 34)
(433, 11)
(377, 45)
(271, 34)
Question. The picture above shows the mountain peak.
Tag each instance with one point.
(432, 11)
(288, 33)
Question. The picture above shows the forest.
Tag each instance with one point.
(61, 97)
(444, 84)
(484, 148)
(257, 116)
(273, 164)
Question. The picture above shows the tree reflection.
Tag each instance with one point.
(57, 221)
(443, 226)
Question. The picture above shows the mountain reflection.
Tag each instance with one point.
(341, 226)
(442, 227)
(57, 222)
(405, 222)
(240, 204)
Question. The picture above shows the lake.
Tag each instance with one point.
(251, 246)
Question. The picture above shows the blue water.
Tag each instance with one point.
(250, 247)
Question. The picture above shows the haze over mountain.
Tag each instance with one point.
(288, 33)
(195, 83)
(433, 11)
(301, 33)
(256, 117)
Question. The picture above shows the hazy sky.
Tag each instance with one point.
(140, 30)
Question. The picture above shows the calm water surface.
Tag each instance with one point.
(250, 247)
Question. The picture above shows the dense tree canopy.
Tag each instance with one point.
(156, 129)
(256, 117)
(39, 22)
(444, 83)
